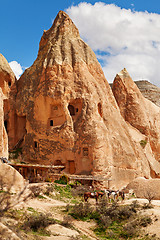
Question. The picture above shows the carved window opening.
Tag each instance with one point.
(6, 125)
(51, 123)
(71, 110)
(9, 84)
(35, 144)
(100, 109)
(85, 151)
(76, 109)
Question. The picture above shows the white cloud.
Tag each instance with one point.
(121, 38)
(16, 68)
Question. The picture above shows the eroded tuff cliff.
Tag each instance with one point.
(137, 110)
(7, 79)
(68, 115)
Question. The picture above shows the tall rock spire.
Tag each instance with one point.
(137, 110)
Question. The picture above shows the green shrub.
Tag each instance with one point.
(135, 206)
(63, 180)
(143, 143)
(105, 221)
(67, 221)
(37, 221)
(41, 197)
(31, 209)
(64, 191)
(48, 180)
(83, 211)
(129, 231)
(145, 221)
(49, 189)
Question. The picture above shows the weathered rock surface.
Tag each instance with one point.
(7, 77)
(137, 110)
(11, 179)
(3, 133)
(6, 233)
(7, 80)
(67, 114)
(62, 231)
(149, 91)
(143, 188)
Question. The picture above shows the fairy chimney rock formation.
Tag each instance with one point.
(61, 96)
(67, 114)
(141, 113)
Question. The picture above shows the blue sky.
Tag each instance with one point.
(22, 24)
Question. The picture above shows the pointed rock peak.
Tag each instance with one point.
(65, 24)
(62, 26)
(124, 74)
(62, 44)
(125, 79)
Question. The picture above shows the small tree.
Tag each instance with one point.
(149, 195)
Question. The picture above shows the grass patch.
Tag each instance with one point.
(41, 197)
(31, 209)
(63, 180)
(64, 192)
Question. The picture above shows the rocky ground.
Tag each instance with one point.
(79, 230)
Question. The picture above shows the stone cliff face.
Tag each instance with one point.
(66, 114)
(7, 80)
(7, 77)
(149, 91)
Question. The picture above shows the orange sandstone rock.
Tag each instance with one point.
(137, 110)
(3, 133)
(145, 188)
(66, 113)
(11, 179)
(7, 79)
